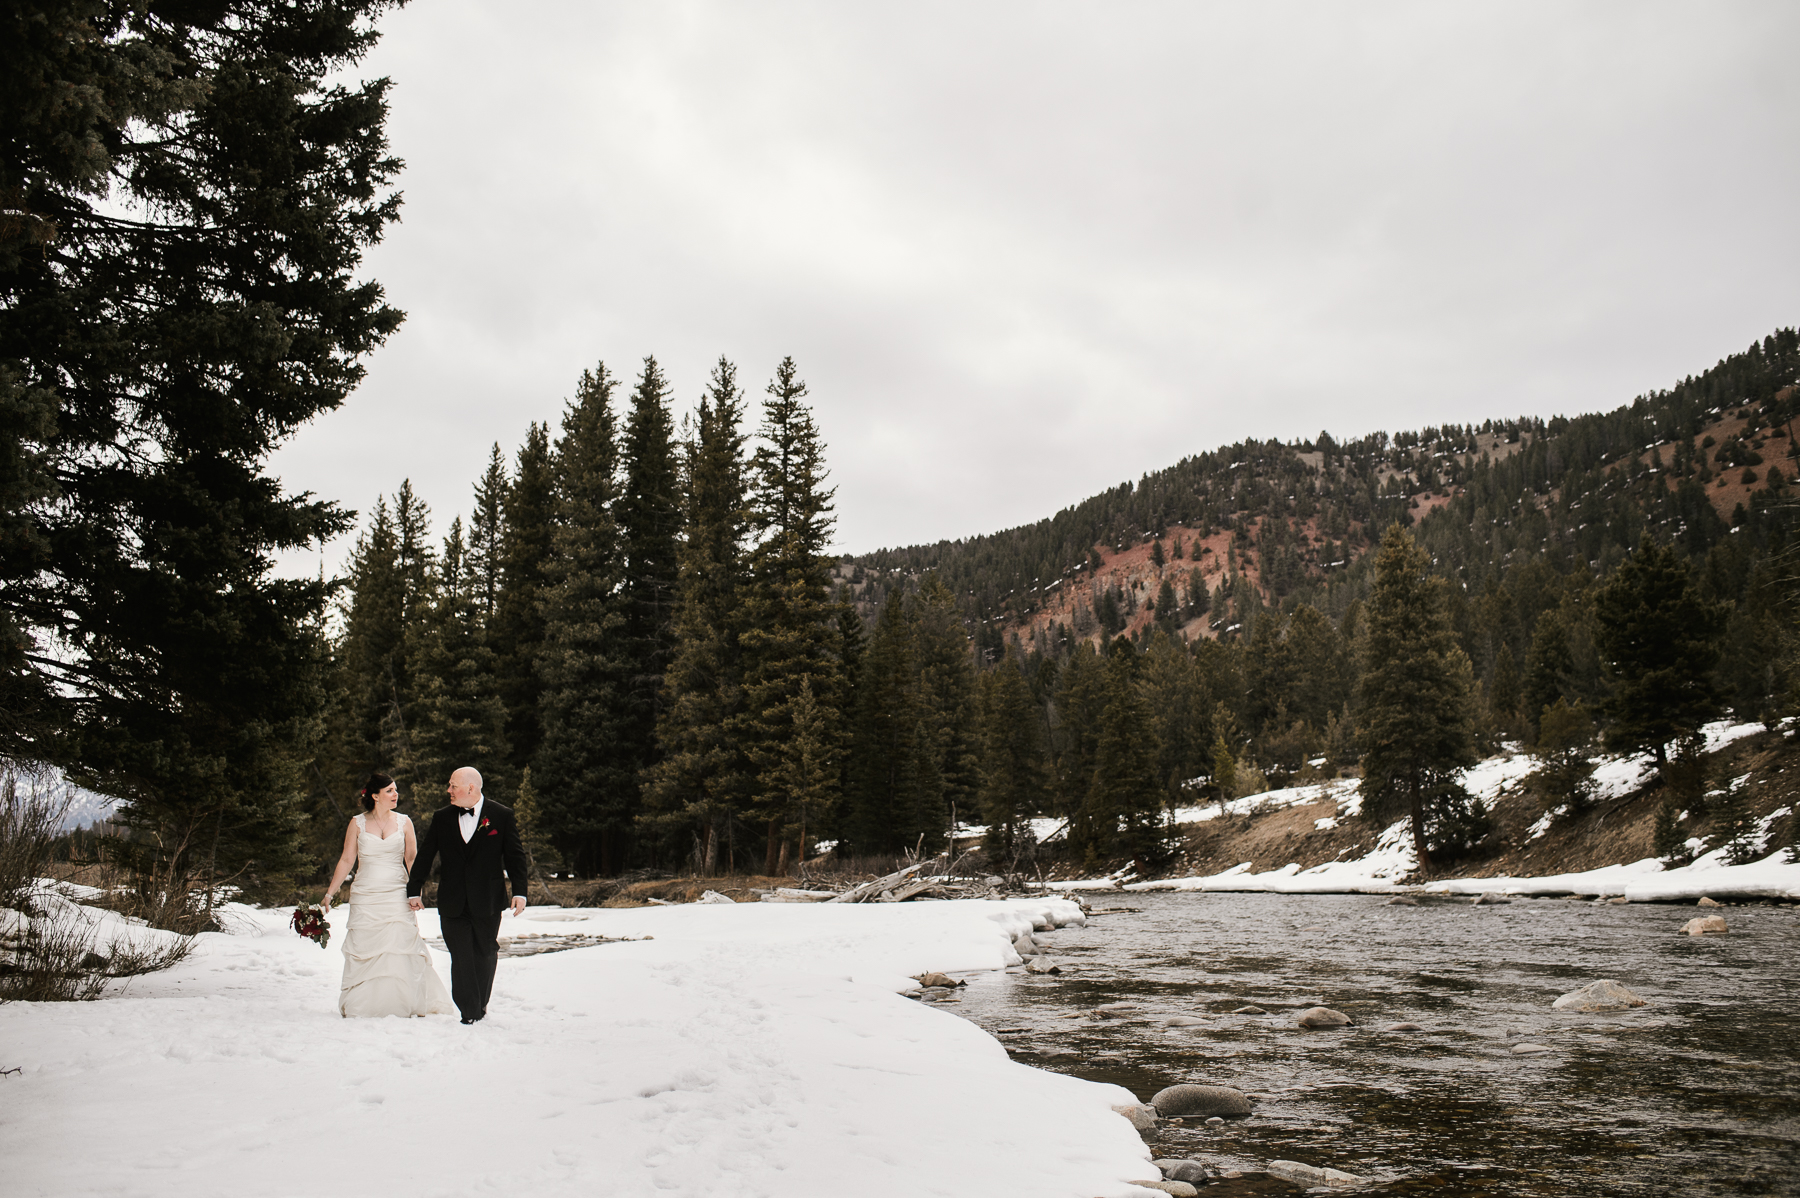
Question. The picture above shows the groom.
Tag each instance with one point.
(477, 840)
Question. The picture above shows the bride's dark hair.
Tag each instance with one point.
(375, 784)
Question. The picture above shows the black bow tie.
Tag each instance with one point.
(466, 813)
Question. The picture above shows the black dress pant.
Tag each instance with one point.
(474, 944)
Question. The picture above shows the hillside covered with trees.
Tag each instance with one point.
(639, 638)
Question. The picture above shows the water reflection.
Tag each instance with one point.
(1699, 1093)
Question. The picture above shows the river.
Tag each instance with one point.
(1697, 1093)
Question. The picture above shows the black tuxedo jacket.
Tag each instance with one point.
(471, 881)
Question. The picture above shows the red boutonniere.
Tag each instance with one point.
(490, 831)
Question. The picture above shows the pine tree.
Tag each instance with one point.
(1080, 707)
(582, 769)
(457, 716)
(807, 772)
(539, 852)
(187, 196)
(1168, 611)
(885, 811)
(790, 635)
(1416, 701)
(1565, 736)
(703, 779)
(1659, 640)
(1224, 772)
(1180, 705)
(517, 628)
(1126, 796)
(1503, 695)
(946, 694)
(648, 514)
(1013, 779)
(487, 530)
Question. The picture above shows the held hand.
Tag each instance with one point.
(518, 904)
(415, 903)
(325, 905)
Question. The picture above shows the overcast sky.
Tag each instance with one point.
(1024, 251)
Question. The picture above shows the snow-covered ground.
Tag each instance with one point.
(748, 1049)
(1383, 868)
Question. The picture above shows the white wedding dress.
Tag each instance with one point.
(387, 970)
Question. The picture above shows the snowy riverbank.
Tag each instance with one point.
(749, 1049)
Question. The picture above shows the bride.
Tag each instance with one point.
(387, 970)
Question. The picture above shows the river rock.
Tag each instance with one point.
(1617, 901)
(1142, 1115)
(1249, 1011)
(1489, 899)
(1706, 902)
(1702, 925)
(1402, 900)
(1025, 946)
(1173, 1170)
(1042, 965)
(1323, 1017)
(929, 980)
(1180, 1189)
(1603, 995)
(1528, 1050)
(1116, 1010)
(1190, 1100)
(1403, 1027)
(1308, 1175)
(1184, 1021)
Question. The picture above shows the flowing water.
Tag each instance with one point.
(1697, 1093)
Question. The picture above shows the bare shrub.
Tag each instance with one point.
(51, 949)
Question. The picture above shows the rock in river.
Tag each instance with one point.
(1323, 1017)
(1603, 995)
(1705, 924)
(1403, 1027)
(1489, 899)
(1706, 902)
(1173, 1170)
(1401, 900)
(1193, 1100)
(1184, 1021)
(1249, 1011)
(1308, 1175)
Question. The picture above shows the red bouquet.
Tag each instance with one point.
(309, 921)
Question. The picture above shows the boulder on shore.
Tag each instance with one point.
(1603, 995)
(1192, 1100)
(1141, 1114)
(1175, 1189)
(1707, 902)
(1488, 898)
(1323, 1017)
(1702, 925)
(1403, 900)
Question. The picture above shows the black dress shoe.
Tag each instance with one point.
(467, 1021)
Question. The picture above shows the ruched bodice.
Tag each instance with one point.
(387, 970)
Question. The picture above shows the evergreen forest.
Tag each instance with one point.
(639, 635)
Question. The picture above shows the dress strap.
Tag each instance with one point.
(362, 823)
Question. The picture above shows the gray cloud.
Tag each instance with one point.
(1024, 251)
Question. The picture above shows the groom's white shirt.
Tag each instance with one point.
(468, 819)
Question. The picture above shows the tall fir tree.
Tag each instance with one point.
(1417, 699)
(487, 530)
(187, 196)
(1014, 780)
(1080, 707)
(791, 635)
(886, 809)
(947, 694)
(517, 628)
(703, 780)
(584, 773)
(648, 515)
(1126, 797)
(458, 717)
(1659, 639)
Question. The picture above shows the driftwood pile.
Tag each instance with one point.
(898, 887)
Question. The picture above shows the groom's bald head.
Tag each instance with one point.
(465, 786)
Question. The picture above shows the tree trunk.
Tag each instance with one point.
(772, 855)
(1418, 829)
